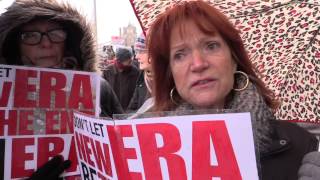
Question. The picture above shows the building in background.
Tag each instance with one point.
(129, 35)
(126, 38)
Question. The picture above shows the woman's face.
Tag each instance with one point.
(202, 66)
(46, 53)
(142, 57)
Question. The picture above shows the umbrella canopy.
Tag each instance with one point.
(283, 41)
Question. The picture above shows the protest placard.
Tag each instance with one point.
(36, 118)
(208, 146)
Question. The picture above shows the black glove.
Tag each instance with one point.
(51, 170)
(310, 168)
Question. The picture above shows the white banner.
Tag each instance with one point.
(211, 146)
(36, 116)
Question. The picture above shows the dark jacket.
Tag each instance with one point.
(108, 100)
(140, 95)
(290, 144)
(80, 43)
(123, 83)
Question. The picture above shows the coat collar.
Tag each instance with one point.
(281, 142)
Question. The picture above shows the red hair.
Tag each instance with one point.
(209, 20)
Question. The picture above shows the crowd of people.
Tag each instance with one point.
(192, 58)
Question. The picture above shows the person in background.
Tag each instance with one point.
(122, 76)
(199, 63)
(110, 54)
(135, 61)
(51, 34)
(143, 88)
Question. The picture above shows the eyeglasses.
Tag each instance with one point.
(35, 37)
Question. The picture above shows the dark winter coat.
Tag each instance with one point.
(290, 144)
(80, 42)
(123, 83)
(140, 95)
(109, 102)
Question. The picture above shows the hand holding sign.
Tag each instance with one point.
(52, 169)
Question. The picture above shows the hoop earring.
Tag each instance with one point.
(247, 81)
(171, 96)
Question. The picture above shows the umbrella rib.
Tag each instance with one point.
(264, 10)
(279, 5)
(313, 39)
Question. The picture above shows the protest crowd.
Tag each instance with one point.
(191, 59)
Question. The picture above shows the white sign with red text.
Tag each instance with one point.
(204, 147)
(36, 116)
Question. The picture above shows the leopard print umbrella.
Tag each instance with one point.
(283, 41)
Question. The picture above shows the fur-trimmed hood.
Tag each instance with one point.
(80, 42)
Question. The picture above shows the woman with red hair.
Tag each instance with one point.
(199, 62)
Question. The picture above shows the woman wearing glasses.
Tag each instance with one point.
(52, 35)
(42, 44)
(46, 33)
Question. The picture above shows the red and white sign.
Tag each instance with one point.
(203, 147)
(117, 40)
(36, 115)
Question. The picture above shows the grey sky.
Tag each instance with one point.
(111, 15)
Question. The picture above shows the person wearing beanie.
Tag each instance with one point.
(144, 83)
(122, 76)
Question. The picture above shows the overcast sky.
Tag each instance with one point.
(111, 15)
